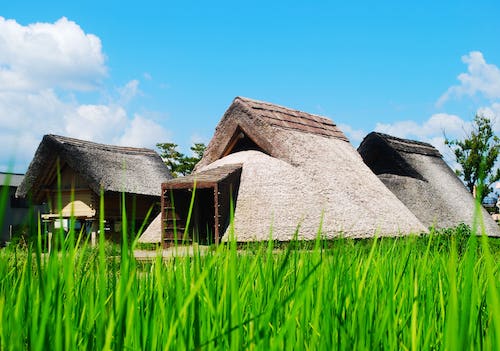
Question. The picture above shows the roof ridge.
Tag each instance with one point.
(245, 101)
(403, 140)
(409, 145)
(106, 147)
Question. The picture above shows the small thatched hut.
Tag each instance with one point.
(77, 171)
(416, 173)
(283, 169)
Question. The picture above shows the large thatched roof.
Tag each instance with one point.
(107, 167)
(299, 169)
(252, 125)
(416, 173)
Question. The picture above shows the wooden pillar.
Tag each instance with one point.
(162, 216)
(216, 214)
(93, 234)
(49, 242)
(93, 240)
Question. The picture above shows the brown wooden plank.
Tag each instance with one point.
(216, 213)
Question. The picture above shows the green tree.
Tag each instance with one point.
(178, 163)
(477, 155)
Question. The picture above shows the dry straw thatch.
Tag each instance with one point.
(416, 173)
(107, 167)
(299, 169)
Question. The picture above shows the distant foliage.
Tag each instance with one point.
(178, 163)
(477, 155)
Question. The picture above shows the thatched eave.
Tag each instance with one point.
(106, 168)
(407, 145)
(203, 179)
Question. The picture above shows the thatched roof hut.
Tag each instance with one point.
(297, 169)
(69, 174)
(416, 173)
(107, 167)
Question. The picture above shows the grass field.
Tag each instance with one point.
(439, 291)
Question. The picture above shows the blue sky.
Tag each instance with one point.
(137, 73)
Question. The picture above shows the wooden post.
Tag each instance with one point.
(216, 213)
(162, 216)
(49, 234)
(93, 240)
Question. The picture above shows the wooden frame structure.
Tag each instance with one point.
(198, 207)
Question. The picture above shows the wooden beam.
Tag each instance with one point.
(189, 185)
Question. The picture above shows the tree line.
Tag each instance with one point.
(477, 155)
(178, 163)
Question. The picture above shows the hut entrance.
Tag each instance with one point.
(197, 207)
(200, 227)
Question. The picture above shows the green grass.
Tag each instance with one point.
(433, 292)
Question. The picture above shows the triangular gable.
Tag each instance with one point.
(245, 139)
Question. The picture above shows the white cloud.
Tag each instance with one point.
(17, 149)
(143, 132)
(41, 65)
(24, 117)
(31, 110)
(49, 55)
(437, 124)
(493, 113)
(33, 115)
(482, 77)
(432, 131)
(99, 123)
(128, 92)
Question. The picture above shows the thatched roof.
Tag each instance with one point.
(330, 188)
(300, 169)
(152, 234)
(252, 125)
(416, 173)
(410, 146)
(107, 167)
